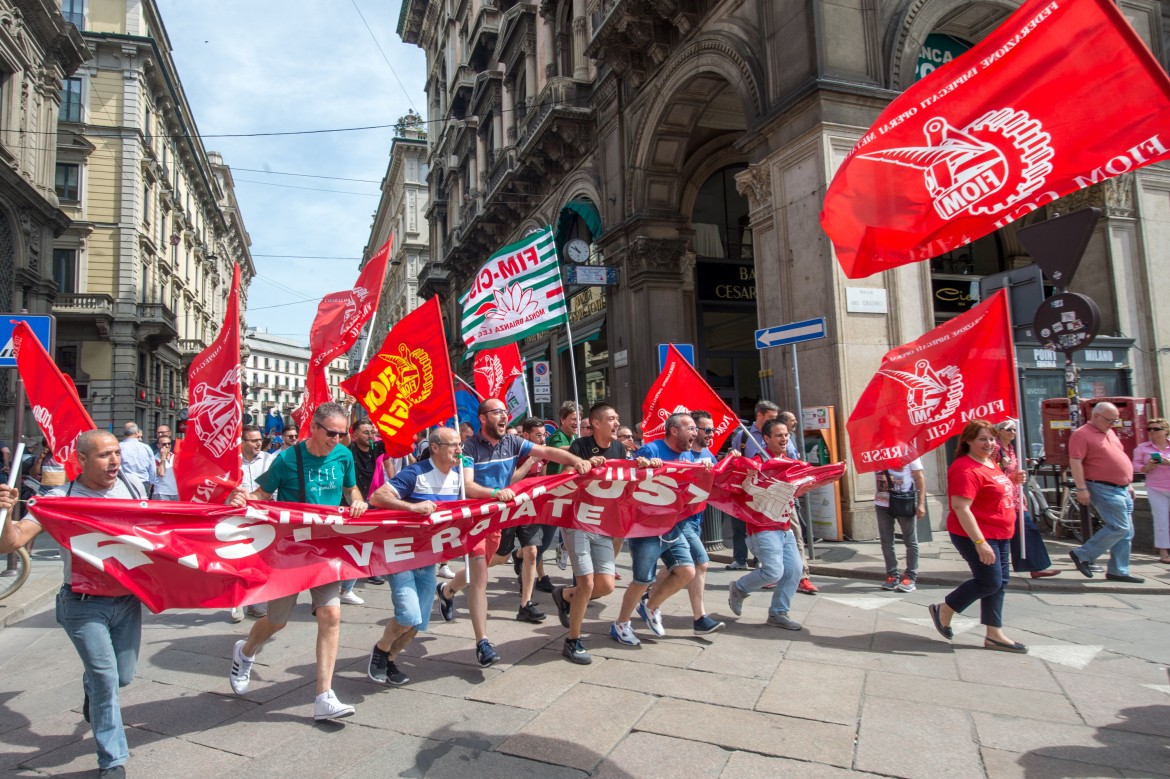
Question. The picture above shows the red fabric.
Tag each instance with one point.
(1102, 455)
(210, 467)
(680, 388)
(989, 489)
(763, 493)
(187, 555)
(55, 405)
(340, 319)
(407, 385)
(925, 391)
(1060, 96)
(496, 369)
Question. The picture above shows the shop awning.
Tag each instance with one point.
(589, 333)
(584, 209)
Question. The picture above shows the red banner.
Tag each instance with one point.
(184, 555)
(680, 388)
(926, 390)
(496, 370)
(340, 319)
(210, 467)
(1060, 96)
(407, 385)
(55, 405)
(765, 493)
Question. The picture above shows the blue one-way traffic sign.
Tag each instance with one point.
(791, 333)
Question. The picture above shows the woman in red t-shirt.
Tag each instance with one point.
(981, 522)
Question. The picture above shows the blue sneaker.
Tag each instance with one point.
(485, 654)
(623, 633)
(652, 618)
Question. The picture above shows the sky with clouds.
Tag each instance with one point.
(297, 65)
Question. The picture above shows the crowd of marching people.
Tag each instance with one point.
(342, 463)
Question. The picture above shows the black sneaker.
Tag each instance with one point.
(375, 580)
(85, 704)
(446, 605)
(380, 664)
(544, 584)
(574, 652)
(562, 605)
(485, 654)
(394, 676)
(530, 613)
(116, 772)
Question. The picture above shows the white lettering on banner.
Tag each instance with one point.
(655, 492)
(96, 548)
(700, 494)
(900, 452)
(397, 549)
(982, 411)
(558, 505)
(1123, 163)
(936, 432)
(362, 557)
(588, 514)
(526, 508)
(447, 537)
(246, 535)
(606, 489)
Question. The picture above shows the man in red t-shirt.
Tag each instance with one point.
(1103, 473)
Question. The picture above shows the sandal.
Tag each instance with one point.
(945, 631)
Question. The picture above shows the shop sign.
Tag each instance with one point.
(586, 303)
(937, 50)
(726, 282)
(866, 300)
(954, 295)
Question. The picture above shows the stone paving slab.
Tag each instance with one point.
(889, 726)
(1107, 703)
(970, 696)
(770, 734)
(448, 756)
(547, 676)
(745, 765)
(1010, 765)
(815, 691)
(646, 754)
(580, 728)
(720, 689)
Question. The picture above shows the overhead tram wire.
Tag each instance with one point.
(384, 57)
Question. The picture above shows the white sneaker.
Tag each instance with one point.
(241, 672)
(350, 598)
(237, 614)
(445, 572)
(327, 707)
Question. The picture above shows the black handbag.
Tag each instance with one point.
(903, 503)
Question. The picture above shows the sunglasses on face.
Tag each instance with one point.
(331, 433)
(1155, 429)
(1009, 430)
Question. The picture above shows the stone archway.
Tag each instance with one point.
(919, 18)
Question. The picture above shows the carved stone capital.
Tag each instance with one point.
(1119, 195)
(755, 183)
(660, 256)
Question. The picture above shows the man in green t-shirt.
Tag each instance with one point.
(319, 472)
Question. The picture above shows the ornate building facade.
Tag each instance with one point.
(688, 144)
(274, 373)
(39, 49)
(145, 268)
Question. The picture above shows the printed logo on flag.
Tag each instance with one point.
(985, 168)
(491, 369)
(214, 413)
(655, 428)
(44, 419)
(934, 395)
(772, 497)
(509, 302)
(410, 372)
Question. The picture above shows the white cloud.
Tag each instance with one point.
(252, 67)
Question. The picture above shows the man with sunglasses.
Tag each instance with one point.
(1103, 475)
(494, 454)
(319, 472)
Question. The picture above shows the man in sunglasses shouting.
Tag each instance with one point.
(319, 472)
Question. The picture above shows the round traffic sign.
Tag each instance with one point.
(1067, 322)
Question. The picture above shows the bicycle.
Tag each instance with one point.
(1063, 518)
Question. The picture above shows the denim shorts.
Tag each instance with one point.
(694, 538)
(413, 594)
(645, 553)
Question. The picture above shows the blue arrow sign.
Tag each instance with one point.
(42, 327)
(791, 333)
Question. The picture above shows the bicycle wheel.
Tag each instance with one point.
(20, 563)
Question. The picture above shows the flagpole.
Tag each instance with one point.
(524, 383)
(573, 372)
(462, 488)
(1020, 463)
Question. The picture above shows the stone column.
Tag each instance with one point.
(544, 50)
(481, 162)
(580, 64)
(530, 75)
(498, 140)
(509, 113)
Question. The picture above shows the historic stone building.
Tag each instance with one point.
(143, 272)
(688, 144)
(275, 369)
(39, 49)
(401, 213)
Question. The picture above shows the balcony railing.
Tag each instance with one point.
(76, 19)
(82, 303)
(156, 312)
(191, 346)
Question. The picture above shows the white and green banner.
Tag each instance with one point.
(517, 293)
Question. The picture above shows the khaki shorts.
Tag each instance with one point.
(280, 610)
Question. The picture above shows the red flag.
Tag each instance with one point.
(926, 390)
(680, 388)
(340, 319)
(53, 398)
(210, 466)
(407, 385)
(496, 369)
(1060, 96)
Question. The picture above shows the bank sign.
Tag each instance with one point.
(936, 51)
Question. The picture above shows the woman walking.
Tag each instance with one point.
(981, 523)
(1036, 560)
(1153, 459)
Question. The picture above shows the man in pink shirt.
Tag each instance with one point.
(1102, 473)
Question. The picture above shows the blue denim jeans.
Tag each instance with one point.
(779, 564)
(413, 594)
(988, 582)
(106, 633)
(1115, 507)
(739, 550)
